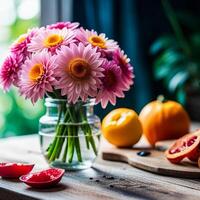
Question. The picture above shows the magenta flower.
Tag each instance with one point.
(79, 71)
(100, 41)
(20, 46)
(61, 25)
(9, 71)
(112, 85)
(127, 70)
(37, 76)
(78, 62)
(51, 40)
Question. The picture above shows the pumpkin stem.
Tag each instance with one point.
(161, 98)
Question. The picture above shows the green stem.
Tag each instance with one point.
(64, 133)
(70, 145)
(66, 146)
(52, 145)
(68, 130)
(75, 138)
(161, 98)
(77, 144)
(61, 141)
(86, 136)
(91, 139)
(61, 110)
(83, 126)
(87, 132)
(56, 146)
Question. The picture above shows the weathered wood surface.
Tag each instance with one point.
(106, 180)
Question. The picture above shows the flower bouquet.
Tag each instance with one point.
(71, 65)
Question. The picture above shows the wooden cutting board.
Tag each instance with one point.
(156, 162)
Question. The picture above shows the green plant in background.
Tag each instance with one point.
(177, 55)
(18, 116)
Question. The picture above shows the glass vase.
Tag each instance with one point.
(69, 134)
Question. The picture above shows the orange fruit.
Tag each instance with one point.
(164, 120)
(122, 127)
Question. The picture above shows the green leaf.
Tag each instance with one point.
(181, 95)
(161, 71)
(178, 80)
(170, 56)
(162, 43)
(169, 60)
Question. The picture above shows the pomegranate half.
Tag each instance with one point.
(43, 179)
(187, 146)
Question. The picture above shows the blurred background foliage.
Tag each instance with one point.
(17, 116)
(177, 55)
(177, 58)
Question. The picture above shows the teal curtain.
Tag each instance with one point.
(119, 20)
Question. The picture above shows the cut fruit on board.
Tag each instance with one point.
(185, 147)
(156, 162)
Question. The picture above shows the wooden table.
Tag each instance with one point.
(106, 180)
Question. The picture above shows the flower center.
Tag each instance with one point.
(21, 39)
(97, 41)
(110, 79)
(53, 40)
(78, 68)
(36, 72)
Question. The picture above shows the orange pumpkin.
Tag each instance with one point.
(164, 120)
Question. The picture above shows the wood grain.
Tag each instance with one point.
(106, 180)
(156, 162)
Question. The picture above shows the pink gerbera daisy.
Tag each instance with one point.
(51, 40)
(100, 41)
(9, 73)
(79, 71)
(112, 86)
(37, 76)
(127, 70)
(61, 25)
(20, 46)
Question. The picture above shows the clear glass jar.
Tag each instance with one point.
(69, 134)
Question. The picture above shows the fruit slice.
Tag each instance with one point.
(186, 146)
(14, 170)
(43, 179)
